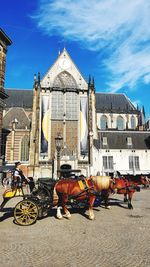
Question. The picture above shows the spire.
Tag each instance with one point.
(39, 79)
(89, 79)
(35, 80)
(143, 111)
(93, 82)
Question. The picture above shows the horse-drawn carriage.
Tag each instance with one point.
(75, 192)
(33, 205)
(49, 193)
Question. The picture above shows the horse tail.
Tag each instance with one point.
(55, 197)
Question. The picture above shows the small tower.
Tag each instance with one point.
(142, 120)
(34, 136)
(91, 117)
(92, 107)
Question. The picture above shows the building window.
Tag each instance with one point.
(129, 141)
(134, 163)
(104, 141)
(108, 163)
(57, 105)
(25, 148)
(103, 122)
(71, 106)
(133, 126)
(120, 123)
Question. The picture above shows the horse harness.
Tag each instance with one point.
(85, 188)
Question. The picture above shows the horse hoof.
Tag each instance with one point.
(91, 218)
(108, 207)
(67, 217)
(59, 217)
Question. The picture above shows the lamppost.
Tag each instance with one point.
(14, 124)
(58, 144)
(90, 152)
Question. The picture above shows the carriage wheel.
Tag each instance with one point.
(26, 212)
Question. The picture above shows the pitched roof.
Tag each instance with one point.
(4, 37)
(118, 140)
(105, 102)
(18, 114)
(19, 98)
(110, 102)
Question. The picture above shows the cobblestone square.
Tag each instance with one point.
(117, 237)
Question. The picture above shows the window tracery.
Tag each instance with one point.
(65, 80)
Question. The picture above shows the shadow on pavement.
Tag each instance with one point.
(115, 202)
(7, 213)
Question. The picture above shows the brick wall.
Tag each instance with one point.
(13, 145)
(71, 134)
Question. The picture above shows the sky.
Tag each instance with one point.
(108, 39)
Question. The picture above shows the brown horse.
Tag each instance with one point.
(80, 190)
(135, 181)
(121, 186)
(138, 179)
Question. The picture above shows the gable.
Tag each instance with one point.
(64, 65)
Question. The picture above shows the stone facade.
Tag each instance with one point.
(94, 127)
(60, 107)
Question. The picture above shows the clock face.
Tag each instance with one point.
(64, 64)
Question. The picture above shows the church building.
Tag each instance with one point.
(63, 123)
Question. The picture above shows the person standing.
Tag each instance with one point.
(19, 178)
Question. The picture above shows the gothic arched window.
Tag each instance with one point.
(103, 122)
(25, 148)
(120, 123)
(65, 80)
(133, 125)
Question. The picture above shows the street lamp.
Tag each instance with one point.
(58, 144)
(14, 124)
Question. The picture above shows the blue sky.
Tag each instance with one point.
(109, 39)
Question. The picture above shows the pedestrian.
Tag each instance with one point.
(19, 178)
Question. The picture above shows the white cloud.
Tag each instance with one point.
(118, 27)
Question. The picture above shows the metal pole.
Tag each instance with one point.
(52, 168)
(58, 162)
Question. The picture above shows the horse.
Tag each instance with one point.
(81, 190)
(121, 186)
(135, 181)
(138, 179)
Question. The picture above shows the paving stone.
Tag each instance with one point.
(117, 237)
